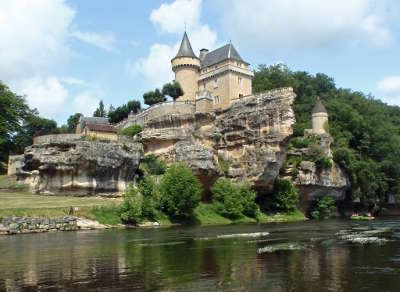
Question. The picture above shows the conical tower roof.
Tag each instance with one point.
(319, 107)
(185, 49)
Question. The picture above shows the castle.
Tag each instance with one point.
(221, 75)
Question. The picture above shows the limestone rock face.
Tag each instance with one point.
(80, 167)
(313, 183)
(249, 137)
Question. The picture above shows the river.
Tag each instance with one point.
(322, 257)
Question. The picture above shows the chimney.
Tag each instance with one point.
(203, 53)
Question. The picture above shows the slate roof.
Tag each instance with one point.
(101, 128)
(185, 50)
(319, 107)
(83, 121)
(221, 54)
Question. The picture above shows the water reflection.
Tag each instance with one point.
(195, 259)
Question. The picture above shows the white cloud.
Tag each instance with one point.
(33, 36)
(389, 89)
(34, 49)
(309, 23)
(47, 95)
(104, 41)
(85, 103)
(171, 18)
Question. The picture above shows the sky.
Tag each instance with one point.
(67, 55)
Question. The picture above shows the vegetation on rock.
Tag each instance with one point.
(131, 130)
(366, 131)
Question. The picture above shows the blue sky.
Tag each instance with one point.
(65, 56)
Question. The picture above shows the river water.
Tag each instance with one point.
(323, 256)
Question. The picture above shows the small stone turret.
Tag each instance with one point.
(186, 66)
(319, 118)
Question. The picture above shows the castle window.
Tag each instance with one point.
(215, 83)
(240, 81)
(216, 99)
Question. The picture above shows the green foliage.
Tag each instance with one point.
(152, 165)
(180, 191)
(323, 208)
(122, 112)
(299, 142)
(317, 155)
(73, 121)
(224, 164)
(151, 198)
(173, 90)
(131, 130)
(366, 131)
(234, 200)
(107, 214)
(286, 196)
(100, 111)
(153, 97)
(131, 209)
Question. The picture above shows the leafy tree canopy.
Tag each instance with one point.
(153, 97)
(100, 111)
(173, 90)
(122, 112)
(366, 131)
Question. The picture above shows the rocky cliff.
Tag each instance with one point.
(245, 142)
(80, 167)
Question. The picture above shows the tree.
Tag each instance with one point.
(234, 200)
(173, 90)
(153, 97)
(13, 112)
(73, 121)
(286, 195)
(180, 191)
(100, 111)
(122, 112)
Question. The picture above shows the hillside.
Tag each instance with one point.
(366, 131)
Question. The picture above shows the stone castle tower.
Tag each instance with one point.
(319, 118)
(221, 74)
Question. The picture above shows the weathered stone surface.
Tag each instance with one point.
(81, 167)
(250, 135)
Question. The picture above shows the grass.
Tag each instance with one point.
(10, 184)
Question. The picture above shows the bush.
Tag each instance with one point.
(318, 156)
(224, 164)
(299, 142)
(131, 130)
(226, 196)
(180, 191)
(286, 196)
(234, 200)
(153, 166)
(323, 208)
(131, 209)
(151, 199)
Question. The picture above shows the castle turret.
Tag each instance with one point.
(319, 118)
(186, 66)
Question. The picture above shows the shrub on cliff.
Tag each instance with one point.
(234, 200)
(131, 130)
(152, 165)
(180, 191)
(286, 196)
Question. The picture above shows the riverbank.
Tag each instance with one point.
(16, 201)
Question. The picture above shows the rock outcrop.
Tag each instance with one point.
(249, 137)
(80, 167)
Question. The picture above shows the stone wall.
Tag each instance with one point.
(18, 225)
(56, 138)
(15, 164)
